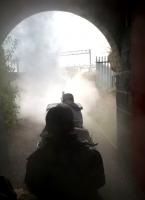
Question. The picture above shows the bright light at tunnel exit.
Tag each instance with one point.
(56, 32)
(44, 35)
(41, 40)
(76, 33)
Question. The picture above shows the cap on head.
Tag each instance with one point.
(67, 97)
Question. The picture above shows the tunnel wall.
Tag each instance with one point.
(125, 36)
(108, 17)
(124, 102)
(138, 90)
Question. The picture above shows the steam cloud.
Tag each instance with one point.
(42, 82)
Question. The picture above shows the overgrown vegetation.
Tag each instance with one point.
(8, 91)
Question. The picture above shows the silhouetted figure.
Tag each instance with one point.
(83, 134)
(68, 99)
(6, 189)
(64, 168)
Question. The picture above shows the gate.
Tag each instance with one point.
(106, 78)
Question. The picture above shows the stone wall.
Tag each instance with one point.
(124, 102)
(138, 90)
(112, 18)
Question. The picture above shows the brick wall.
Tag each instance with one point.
(138, 83)
(124, 103)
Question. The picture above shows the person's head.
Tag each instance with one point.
(59, 120)
(67, 98)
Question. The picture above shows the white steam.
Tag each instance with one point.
(42, 80)
(36, 94)
(41, 40)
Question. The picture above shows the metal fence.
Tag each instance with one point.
(105, 77)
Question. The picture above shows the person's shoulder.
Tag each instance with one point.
(80, 130)
(79, 105)
(83, 134)
(51, 105)
(75, 106)
(41, 153)
(34, 155)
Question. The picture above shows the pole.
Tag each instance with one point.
(17, 65)
(90, 60)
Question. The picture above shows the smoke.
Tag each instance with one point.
(42, 81)
(40, 43)
(36, 94)
(99, 110)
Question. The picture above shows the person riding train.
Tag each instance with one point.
(67, 100)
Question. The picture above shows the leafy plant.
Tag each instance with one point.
(8, 91)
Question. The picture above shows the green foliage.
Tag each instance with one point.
(8, 92)
(10, 110)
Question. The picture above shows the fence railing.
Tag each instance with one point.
(105, 77)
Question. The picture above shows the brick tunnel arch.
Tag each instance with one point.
(109, 18)
(113, 42)
(98, 14)
(114, 49)
(98, 24)
(77, 9)
(119, 22)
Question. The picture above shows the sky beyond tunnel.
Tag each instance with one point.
(43, 37)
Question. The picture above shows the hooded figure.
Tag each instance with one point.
(64, 168)
(68, 99)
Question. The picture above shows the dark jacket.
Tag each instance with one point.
(78, 118)
(65, 169)
(6, 189)
(82, 134)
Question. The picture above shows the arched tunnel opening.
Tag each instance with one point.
(51, 54)
(54, 52)
(28, 127)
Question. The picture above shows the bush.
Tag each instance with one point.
(8, 93)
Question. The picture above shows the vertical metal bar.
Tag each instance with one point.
(17, 65)
(103, 67)
(110, 76)
(111, 79)
(105, 63)
(90, 61)
(107, 67)
(102, 72)
(99, 71)
(107, 71)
